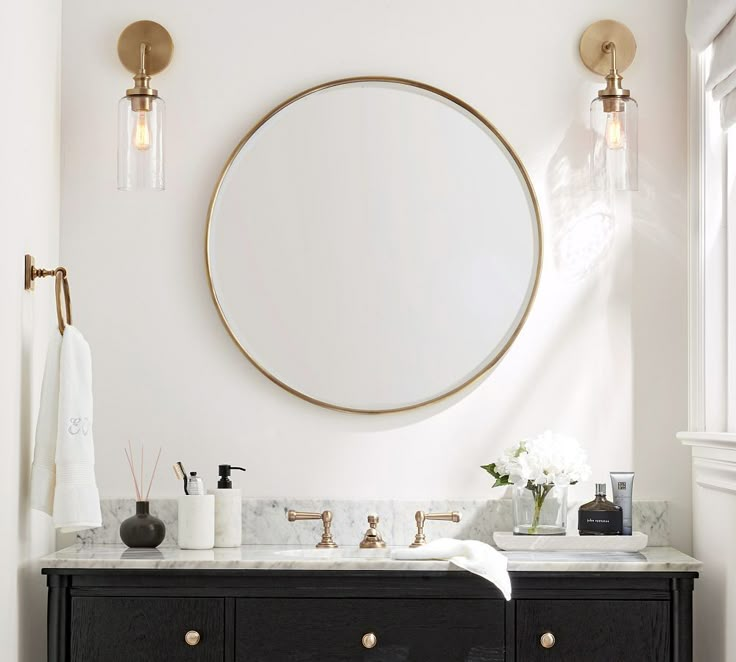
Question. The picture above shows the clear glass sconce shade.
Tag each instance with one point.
(615, 160)
(140, 144)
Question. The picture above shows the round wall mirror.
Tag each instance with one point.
(373, 245)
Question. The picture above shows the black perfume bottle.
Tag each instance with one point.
(600, 517)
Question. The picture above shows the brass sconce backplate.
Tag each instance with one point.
(159, 51)
(599, 33)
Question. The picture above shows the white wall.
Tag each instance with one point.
(715, 598)
(714, 510)
(30, 37)
(602, 357)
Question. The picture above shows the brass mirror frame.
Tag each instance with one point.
(483, 370)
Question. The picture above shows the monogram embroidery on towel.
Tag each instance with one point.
(77, 425)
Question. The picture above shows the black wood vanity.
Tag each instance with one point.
(236, 615)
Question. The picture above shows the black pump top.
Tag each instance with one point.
(225, 483)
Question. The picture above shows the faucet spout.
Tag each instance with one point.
(372, 538)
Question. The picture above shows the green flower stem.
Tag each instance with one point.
(539, 492)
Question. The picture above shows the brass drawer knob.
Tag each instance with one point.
(192, 637)
(547, 640)
(369, 640)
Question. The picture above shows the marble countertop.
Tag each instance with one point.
(295, 557)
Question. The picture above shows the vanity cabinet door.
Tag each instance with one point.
(593, 630)
(112, 629)
(406, 630)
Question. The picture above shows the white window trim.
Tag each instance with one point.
(711, 289)
(707, 264)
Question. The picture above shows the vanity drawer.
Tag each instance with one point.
(112, 629)
(593, 630)
(406, 630)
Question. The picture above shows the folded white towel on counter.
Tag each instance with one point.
(63, 475)
(471, 555)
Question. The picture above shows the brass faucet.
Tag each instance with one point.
(372, 538)
(420, 517)
(326, 516)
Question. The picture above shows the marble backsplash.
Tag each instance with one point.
(265, 523)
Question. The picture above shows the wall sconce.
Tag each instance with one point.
(608, 48)
(145, 49)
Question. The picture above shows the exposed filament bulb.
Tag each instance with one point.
(142, 134)
(615, 132)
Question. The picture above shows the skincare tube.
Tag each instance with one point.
(622, 483)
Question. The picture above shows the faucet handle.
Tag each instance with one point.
(420, 517)
(372, 538)
(327, 541)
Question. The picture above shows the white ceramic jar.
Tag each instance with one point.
(196, 521)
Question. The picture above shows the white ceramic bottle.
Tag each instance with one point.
(228, 510)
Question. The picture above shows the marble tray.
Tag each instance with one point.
(571, 542)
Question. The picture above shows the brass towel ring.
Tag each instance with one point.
(63, 282)
(31, 272)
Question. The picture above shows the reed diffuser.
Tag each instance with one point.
(142, 529)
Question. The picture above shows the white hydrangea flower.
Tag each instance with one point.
(548, 459)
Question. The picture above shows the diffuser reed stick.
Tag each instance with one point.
(132, 471)
(142, 449)
(139, 484)
(153, 475)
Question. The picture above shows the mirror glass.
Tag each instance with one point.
(373, 245)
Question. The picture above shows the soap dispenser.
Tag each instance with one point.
(228, 510)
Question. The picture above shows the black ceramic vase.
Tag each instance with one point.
(142, 529)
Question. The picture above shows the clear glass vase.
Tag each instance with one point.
(540, 510)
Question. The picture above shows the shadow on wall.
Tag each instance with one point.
(650, 287)
(588, 247)
(660, 218)
(583, 220)
(660, 343)
(35, 534)
(588, 264)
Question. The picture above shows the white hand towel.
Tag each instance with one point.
(471, 555)
(76, 501)
(43, 471)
